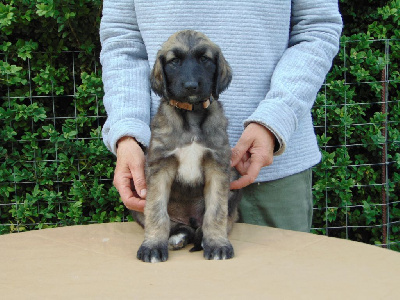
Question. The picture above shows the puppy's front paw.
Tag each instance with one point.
(218, 251)
(153, 253)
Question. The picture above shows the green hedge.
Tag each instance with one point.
(356, 117)
(56, 171)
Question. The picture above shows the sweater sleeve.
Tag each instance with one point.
(313, 43)
(125, 72)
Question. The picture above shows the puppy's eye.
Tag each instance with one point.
(175, 61)
(204, 59)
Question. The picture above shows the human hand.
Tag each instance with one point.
(129, 178)
(254, 150)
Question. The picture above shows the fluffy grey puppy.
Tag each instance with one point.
(188, 169)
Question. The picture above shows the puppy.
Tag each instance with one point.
(188, 169)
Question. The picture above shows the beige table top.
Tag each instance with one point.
(99, 262)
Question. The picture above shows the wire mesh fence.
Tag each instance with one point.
(356, 118)
(56, 171)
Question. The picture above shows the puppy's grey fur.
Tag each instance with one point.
(188, 169)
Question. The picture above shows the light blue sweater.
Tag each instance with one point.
(280, 52)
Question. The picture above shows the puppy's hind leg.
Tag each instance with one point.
(155, 245)
(233, 203)
(180, 236)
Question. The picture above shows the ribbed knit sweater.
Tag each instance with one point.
(280, 52)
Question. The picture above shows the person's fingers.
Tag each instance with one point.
(240, 150)
(139, 179)
(122, 182)
(129, 197)
(129, 176)
(135, 203)
(250, 176)
(243, 165)
(253, 151)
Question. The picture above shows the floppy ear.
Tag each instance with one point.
(157, 78)
(223, 75)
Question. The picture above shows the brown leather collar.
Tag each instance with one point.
(189, 106)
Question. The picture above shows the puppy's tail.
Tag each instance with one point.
(198, 236)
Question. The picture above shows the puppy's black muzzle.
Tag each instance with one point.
(191, 86)
(190, 80)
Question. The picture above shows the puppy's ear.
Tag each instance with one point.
(223, 75)
(157, 77)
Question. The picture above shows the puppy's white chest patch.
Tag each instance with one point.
(190, 158)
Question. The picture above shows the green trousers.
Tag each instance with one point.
(283, 203)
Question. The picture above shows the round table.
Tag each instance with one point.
(99, 262)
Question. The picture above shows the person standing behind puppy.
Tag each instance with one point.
(280, 52)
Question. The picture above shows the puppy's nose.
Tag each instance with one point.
(191, 86)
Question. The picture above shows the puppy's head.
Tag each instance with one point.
(190, 68)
